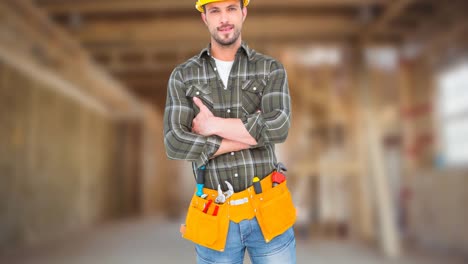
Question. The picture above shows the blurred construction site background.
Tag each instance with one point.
(377, 154)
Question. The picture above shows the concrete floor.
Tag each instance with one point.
(158, 241)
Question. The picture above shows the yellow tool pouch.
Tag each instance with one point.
(208, 226)
(206, 229)
(275, 210)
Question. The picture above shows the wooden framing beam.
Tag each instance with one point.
(393, 10)
(451, 46)
(140, 57)
(445, 29)
(29, 35)
(446, 11)
(187, 48)
(374, 154)
(154, 67)
(447, 38)
(120, 6)
(192, 29)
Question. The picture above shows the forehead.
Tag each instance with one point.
(222, 4)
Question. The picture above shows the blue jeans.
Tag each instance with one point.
(247, 235)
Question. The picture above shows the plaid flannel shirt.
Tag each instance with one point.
(257, 93)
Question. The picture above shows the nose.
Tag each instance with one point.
(224, 17)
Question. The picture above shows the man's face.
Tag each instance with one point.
(224, 21)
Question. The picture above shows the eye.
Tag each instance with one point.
(232, 8)
(212, 11)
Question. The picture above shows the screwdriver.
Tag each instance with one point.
(257, 185)
(201, 181)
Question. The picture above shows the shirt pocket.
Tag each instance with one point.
(252, 92)
(203, 92)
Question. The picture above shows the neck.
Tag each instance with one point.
(225, 53)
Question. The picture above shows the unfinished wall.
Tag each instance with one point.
(55, 161)
(438, 215)
(433, 200)
(417, 96)
(157, 172)
(58, 135)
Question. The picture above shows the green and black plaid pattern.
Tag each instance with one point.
(257, 93)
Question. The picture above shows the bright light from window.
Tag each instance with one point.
(316, 56)
(453, 110)
(382, 58)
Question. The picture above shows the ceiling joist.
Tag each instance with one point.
(140, 41)
(192, 29)
(123, 6)
(393, 10)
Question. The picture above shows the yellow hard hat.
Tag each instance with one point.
(200, 3)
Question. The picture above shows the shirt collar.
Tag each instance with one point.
(244, 47)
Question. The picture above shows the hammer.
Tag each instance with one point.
(278, 176)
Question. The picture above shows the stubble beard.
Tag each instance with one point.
(226, 42)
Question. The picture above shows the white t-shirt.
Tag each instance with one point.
(224, 69)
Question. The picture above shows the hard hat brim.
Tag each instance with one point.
(200, 3)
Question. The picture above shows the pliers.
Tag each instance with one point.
(222, 197)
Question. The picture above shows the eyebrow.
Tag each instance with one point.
(229, 6)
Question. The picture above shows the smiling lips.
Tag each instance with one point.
(225, 28)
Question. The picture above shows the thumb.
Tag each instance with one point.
(199, 103)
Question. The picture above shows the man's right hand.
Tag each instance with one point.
(205, 122)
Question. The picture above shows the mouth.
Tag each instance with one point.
(225, 29)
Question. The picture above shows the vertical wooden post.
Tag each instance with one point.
(389, 239)
(365, 211)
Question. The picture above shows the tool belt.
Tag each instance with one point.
(207, 223)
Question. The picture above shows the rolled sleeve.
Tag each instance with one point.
(271, 125)
(212, 145)
(179, 141)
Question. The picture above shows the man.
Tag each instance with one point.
(225, 110)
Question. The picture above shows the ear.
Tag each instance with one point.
(203, 16)
(244, 13)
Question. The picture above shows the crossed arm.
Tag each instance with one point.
(205, 136)
(234, 135)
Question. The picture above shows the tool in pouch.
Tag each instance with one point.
(257, 185)
(272, 207)
(200, 178)
(207, 206)
(220, 199)
(278, 175)
(207, 221)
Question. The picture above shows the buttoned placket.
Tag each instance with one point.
(228, 112)
(227, 99)
(233, 156)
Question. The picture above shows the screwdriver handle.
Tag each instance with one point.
(200, 180)
(257, 185)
